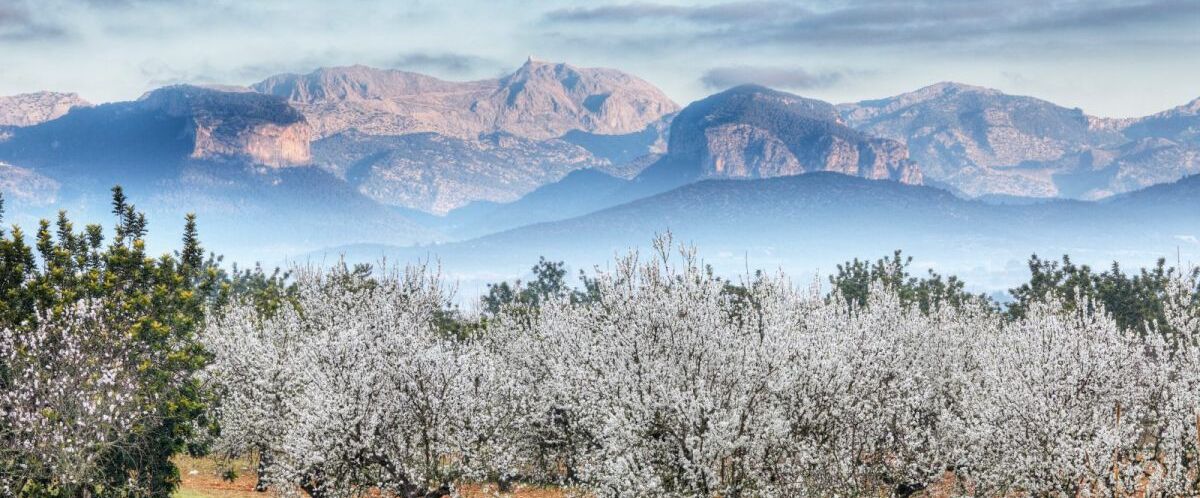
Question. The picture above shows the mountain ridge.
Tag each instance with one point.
(539, 100)
(29, 109)
(981, 141)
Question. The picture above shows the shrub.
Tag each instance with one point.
(98, 358)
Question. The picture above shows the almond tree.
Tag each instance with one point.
(1057, 403)
(669, 381)
(351, 386)
(654, 388)
(1172, 457)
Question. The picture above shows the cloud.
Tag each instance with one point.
(1191, 239)
(719, 13)
(880, 22)
(793, 78)
(446, 63)
(161, 73)
(17, 24)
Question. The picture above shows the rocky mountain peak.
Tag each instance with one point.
(351, 83)
(29, 109)
(751, 131)
(1189, 109)
(943, 88)
(539, 100)
(946, 91)
(545, 100)
(1180, 124)
(1193, 106)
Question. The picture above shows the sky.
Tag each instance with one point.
(1114, 58)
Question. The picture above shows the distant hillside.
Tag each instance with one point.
(418, 142)
(980, 141)
(579, 193)
(748, 132)
(162, 129)
(438, 173)
(814, 221)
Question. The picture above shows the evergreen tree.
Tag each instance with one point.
(157, 303)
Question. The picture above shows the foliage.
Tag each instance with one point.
(109, 332)
(1136, 301)
(549, 283)
(854, 279)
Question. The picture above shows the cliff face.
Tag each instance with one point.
(29, 109)
(251, 127)
(539, 101)
(267, 144)
(753, 132)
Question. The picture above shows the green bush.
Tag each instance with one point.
(155, 303)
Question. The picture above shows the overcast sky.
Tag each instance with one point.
(1109, 57)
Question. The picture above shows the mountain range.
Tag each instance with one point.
(587, 160)
(978, 141)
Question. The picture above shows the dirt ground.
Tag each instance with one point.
(202, 479)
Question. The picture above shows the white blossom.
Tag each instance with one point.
(671, 382)
(72, 398)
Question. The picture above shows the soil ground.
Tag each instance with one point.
(202, 479)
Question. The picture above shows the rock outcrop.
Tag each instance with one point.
(540, 100)
(241, 126)
(754, 132)
(28, 109)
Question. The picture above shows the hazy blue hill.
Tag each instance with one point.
(123, 139)
(814, 221)
(283, 212)
(580, 192)
(1167, 205)
(151, 138)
